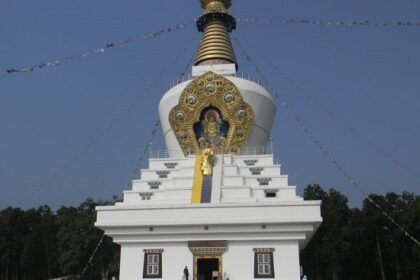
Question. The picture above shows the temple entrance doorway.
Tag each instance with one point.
(208, 258)
(207, 268)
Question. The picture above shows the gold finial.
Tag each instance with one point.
(227, 3)
(215, 23)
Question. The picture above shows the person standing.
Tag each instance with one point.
(186, 273)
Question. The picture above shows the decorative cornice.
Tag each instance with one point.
(145, 194)
(170, 165)
(207, 251)
(207, 248)
(264, 181)
(154, 184)
(163, 173)
(250, 162)
(263, 250)
(207, 243)
(271, 190)
(153, 251)
(256, 170)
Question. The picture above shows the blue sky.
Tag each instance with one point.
(368, 77)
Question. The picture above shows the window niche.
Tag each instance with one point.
(264, 181)
(263, 263)
(250, 162)
(256, 170)
(152, 263)
(154, 185)
(271, 193)
(170, 165)
(163, 174)
(146, 195)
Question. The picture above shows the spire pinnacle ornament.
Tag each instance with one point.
(215, 23)
(204, 3)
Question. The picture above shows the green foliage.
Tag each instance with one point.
(40, 244)
(350, 243)
(363, 243)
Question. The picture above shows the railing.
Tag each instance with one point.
(246, 151)
(160, 153)
(242, 75)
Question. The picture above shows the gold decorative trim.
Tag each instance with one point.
(207, 248)
(211, 90)
(215, 44)
(263, 250)
(207, 251)
(204, 3)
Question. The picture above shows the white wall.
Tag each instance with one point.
(238, 260)
(174, 258)
(131, 262)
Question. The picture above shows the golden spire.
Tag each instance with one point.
(215, 23)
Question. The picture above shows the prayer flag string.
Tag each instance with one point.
(333, 115)
(132, 105)
(91, 257)
(179, 26)
(405, 23)
(321, 147)
(101, 50)
(149, 142)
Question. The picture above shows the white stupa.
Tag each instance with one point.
(214, 205)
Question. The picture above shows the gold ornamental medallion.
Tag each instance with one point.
(211, 113)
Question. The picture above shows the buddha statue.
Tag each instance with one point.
(211, 129)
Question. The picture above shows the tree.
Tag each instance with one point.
(324, 257)
(77, 239)
(350, 243)
(363, 243)
(40, 244)
(13, 228)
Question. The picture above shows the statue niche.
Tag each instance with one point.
(211, 129)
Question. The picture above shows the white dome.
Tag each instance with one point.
(252, 93)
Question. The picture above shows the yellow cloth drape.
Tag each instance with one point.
(198, 180)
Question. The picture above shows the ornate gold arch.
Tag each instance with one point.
(213, 90)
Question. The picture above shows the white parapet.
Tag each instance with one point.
(252, 207)
(236, 178)
(221, 69)
(235, 221)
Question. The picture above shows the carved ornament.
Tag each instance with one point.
(230, 117)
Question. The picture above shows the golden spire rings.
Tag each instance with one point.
(216, 23)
